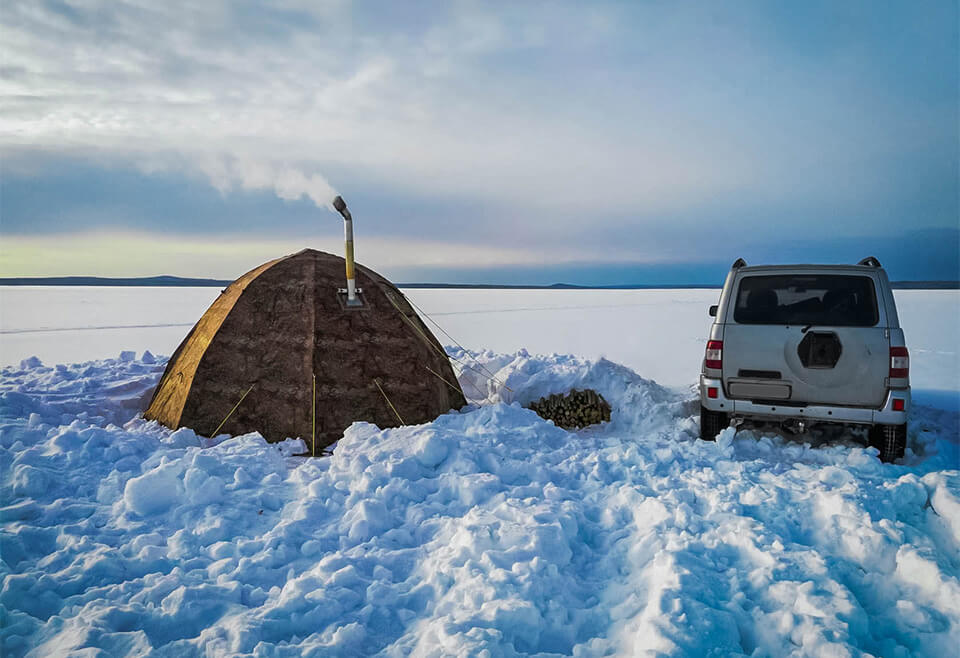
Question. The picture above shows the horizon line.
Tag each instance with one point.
(171, 281)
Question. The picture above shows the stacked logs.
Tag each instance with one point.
(576, 409)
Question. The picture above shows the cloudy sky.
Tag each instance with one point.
(529, 142)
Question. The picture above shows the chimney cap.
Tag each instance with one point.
(339, 204)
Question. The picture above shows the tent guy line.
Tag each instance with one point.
(115, 326)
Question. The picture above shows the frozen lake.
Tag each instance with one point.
(658, 333)
(487, 529)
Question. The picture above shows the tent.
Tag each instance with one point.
(280, 352)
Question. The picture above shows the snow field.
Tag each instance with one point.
(659, 333)
(487, 532)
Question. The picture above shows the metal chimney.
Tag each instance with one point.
(341, 206)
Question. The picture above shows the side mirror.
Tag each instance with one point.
(713, 311)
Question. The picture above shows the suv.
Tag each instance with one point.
(799, 345)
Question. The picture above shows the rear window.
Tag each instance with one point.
(819, 299)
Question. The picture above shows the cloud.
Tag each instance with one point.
(465, 104)
(565, 125)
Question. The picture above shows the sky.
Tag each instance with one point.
(527, 143)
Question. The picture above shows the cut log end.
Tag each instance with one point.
(574, 410)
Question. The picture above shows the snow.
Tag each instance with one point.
(486, 532)
(659, 333)
(68, 324)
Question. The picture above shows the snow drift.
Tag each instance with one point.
(487, 530)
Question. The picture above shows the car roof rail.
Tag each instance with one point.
(737, 264)
(870, 261)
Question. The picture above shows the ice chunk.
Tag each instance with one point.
(29, 481)
(366, 519)
(182, 438)
(725, 441)
(431, 449)
(946, 502)
(201, 488)
(155, 491)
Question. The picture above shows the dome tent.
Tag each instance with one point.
(262, 342)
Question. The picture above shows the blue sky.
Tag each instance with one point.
(476, 142)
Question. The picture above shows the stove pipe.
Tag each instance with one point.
(341, 206)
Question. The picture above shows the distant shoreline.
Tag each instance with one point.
(181, 282)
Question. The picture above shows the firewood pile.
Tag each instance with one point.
(574, 410)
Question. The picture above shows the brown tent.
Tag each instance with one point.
(281, 324)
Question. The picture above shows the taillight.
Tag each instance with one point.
(899, 363)
(714, 356)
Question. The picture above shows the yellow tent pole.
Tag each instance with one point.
(313, 416)
(231, 412)
(397, 413)
(441, 378)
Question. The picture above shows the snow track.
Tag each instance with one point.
(486, 530)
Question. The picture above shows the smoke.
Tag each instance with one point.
(229, 173)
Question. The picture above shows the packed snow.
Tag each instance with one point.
(487, 532)
(658, 333)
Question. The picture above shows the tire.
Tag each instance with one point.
(890, 440)
(711, 423)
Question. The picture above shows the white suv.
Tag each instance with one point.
(799, 345)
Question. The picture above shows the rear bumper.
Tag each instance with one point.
(836, 414)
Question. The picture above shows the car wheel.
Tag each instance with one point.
(890, 440)
(712, 423)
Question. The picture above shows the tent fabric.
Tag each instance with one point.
(281, 324)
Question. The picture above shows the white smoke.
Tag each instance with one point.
(229, 173)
